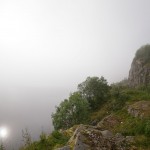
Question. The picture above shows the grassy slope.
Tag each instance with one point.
(117, 105)
(130, 126)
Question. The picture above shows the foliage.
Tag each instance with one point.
(147, 128)
(119, 97)
(99, 114)
(26, 137)
(142, 142)
(54, 140)
(132, 125)
(95, 90)
(123, 83)
(73, 111)
(2, 146)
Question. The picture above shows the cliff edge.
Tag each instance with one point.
(139, 73)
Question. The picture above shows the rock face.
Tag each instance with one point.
(139, 73)
(88, 137)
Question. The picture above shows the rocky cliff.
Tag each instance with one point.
(139, 73)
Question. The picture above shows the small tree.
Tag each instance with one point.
(95, 90)
(73, 111)
(26, 137)
(2, 147)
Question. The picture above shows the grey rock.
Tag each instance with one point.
(107, 133)
(79, 143)
(64, 148)
(139, 73)
(91, 138)
(139, 109)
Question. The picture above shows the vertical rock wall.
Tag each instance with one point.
(139, 73)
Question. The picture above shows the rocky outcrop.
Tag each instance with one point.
(140, 109)
(88, 137)
(109, 122)
(139, 73)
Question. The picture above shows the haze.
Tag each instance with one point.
(48, 47)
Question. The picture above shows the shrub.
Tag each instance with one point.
(70, 112)
(147, 128)
(95, 90)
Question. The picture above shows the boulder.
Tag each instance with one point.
(92, 138)
(140, 109)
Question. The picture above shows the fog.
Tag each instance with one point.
(28, 107)
(48, 47)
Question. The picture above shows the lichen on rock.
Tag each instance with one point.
(88, 137)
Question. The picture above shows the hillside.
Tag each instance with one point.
(122, 122)
(103, 117)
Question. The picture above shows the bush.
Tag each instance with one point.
(70, 112)
(54, 140)
(147, 128)
(119, 97)
(95, 90)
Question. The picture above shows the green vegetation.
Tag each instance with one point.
(2, 147)
(103, 101)
(147, 128)
(95, 90)
(121, 98)
(73, 111)
(52, 141)
(117, 108)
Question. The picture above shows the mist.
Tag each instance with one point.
(48, 47)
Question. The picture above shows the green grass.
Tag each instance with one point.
(53, 141)
(117, 105)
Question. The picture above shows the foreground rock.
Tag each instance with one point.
(88, 137)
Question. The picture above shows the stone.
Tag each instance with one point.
(139, 73)
(140, 109)
(64, 148)
(107, 133)
(88, 137)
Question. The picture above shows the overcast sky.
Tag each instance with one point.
(61, 42)
(56, 44)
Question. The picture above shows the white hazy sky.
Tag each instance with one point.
(61, 42)
(48, 47)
